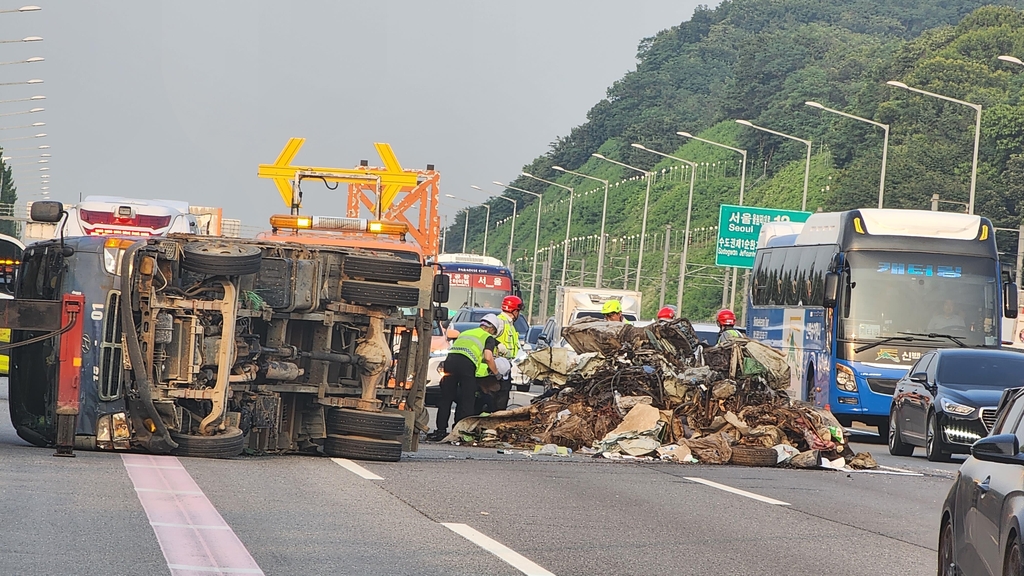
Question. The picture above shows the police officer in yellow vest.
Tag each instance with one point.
(470, 357)
(612, 310)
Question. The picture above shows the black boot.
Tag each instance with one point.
(437, 435)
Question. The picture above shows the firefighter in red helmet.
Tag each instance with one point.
(727, 325)
(508, 347)
(667, 313)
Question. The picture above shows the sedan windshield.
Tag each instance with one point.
(889, 293)
(981, 371)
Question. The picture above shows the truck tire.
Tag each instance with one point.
(753, 456)
(362, 448)
(227, 444)
(221, 258)
(382, 270)
(362, 423)
(372, 293)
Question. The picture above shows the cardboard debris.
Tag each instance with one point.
(656, 392)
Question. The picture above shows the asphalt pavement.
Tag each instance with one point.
(466, 510)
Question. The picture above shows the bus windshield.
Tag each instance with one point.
(889, 293)
(466, 297)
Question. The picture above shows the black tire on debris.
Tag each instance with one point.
(382, 270)
(362, 448)
(221, 258)
(226, 444)
(753, 456)
(362, 423)
(373, 293)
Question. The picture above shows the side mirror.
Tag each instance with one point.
(517, 288)
(1003, 448)
(1009, 297)
(831, 289)
(440, 314)
(441, 288)
(451, 333)
(47, 211)
(919, 377)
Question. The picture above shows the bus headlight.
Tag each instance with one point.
(844, 379)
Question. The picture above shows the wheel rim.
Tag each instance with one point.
(930, 436)
(892, 430)
(946, 551)
(1013, 561)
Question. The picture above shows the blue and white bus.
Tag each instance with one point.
(855, 298)
(476, 281)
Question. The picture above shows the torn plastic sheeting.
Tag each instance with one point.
(713, 449)
(551, 364)
(640, 446)
(641, 419)
(676, 452)
(778, 370)
(591, 335)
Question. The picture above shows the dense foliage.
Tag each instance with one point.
(761, 60)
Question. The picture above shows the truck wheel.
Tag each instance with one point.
(227, 444)
(221, 258)
(372, 293)
(362, 448)
(361, 423)
(382, 270)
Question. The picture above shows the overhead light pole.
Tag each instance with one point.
(536, 240)
(689, 211)
(25, 39)
(885, 142)
(977, 131)
(568, 221)
(486, 221)
(512, 234)
(22, 9)
(33, 125)
(32, 81)
(31, 111)
(807, 167)
(643, 222)
(31, 60)
(604, 212)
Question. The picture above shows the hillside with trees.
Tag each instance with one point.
(761, 60)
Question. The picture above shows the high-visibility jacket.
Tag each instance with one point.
(509, 337)
(471, 344)
(729, 334)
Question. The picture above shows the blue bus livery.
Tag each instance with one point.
(476, 281)
(854, 298)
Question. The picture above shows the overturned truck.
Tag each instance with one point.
(301, 340)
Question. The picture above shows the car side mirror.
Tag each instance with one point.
(440, 314)
(451, 333)
(919, 377)
(441, 288)
(1009, 298)
(831, 289)
(1002, 448)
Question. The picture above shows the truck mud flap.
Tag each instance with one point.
(382, 270)
(379, 294)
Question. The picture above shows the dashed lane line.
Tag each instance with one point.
(737, 491)
(510, 556)
(356, 469)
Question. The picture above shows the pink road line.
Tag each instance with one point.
(195, 539)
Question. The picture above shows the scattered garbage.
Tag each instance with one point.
(657, 393)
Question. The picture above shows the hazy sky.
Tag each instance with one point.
(183, 99)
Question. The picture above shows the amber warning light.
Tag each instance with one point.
(336, 224)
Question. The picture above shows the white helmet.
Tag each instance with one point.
(503, 365)
(493, 320)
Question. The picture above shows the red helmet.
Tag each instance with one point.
(726, 318)
(511, 304)
(666, 313)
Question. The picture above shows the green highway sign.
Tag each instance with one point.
(739, 227)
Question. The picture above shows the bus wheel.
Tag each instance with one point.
(227, 444)
(359, 422)
(221, 258)
(362, 448)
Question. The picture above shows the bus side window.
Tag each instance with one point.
(775, 295)
(822, 258)
(791, 276)
(760, 289)
(805, 284)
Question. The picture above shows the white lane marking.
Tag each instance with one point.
(891, 469)
(193, 492)
(157, 467)
(356, 469)
(737, 491)
(511, 557)
(187, 568)
(193, 526)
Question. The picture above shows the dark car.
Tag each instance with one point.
(948, 400)
(982, 517)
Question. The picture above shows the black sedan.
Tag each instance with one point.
(948, 400)
(982, 517)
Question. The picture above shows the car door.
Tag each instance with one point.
(913, 398)
(986, 485)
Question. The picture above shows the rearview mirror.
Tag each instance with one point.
(919, 377)
(440, 313)
(1002, 448)
(441, 288)
(1009, 298)
(831, 289)
(46, 211)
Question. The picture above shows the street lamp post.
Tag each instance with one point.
(604, 213)
(32, 81)
(977, 131)
(33, 125)
(32, 111)
(807, 167)
(486, 222)
(689, 211)
(25, 39)
(568, 222)
(512, 234)
(885, 142)
(743, 180)
(643, 221)
(22, 9)
(25, 61)
(536, 241)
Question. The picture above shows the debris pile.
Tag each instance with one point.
(658, 392)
